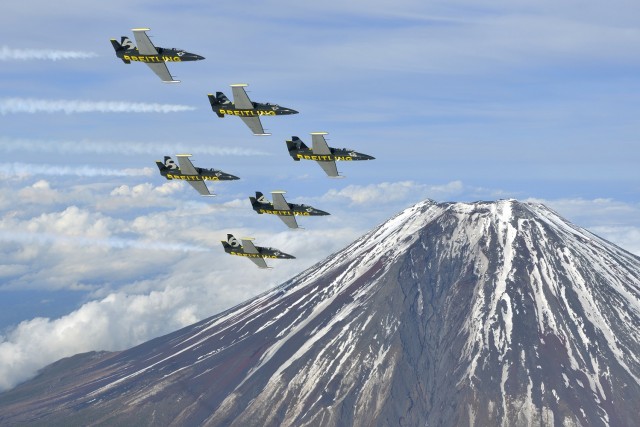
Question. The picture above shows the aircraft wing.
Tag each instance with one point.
(320, 147)
(144, 45)
(279, 203)
(260, 262)
(254, 124)
(249, 248)
(329, 166)
(319, 144)
(201, 187)
(240, 98)
(290, 220)
(186, 167)
(161, 70)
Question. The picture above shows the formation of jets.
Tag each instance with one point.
(250, 112)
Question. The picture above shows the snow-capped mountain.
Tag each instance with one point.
(448, 314)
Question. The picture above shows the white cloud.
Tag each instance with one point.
(115, 322)
(194, 287)
(8, 54)
(30, 105)
(393, 192)
(614, 220)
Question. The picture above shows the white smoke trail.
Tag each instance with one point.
(121, 148)
(8, 54)
(42, 238)
(26, 169)
(31, 106)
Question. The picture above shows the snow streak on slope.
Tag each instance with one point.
(580, 293)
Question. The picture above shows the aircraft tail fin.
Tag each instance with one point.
(295, 145)
(297, 142)
(220, 100)
(126, 43)
(256, 201)
(168, 165)
(232, 241)
(120, 48)
(116, 46)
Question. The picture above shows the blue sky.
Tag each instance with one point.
(458, 101)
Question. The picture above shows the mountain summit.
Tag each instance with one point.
(448, 314)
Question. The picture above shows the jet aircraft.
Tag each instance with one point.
(287, 212)
(154, 57)
(244, 108)
(257, 254)
(193, 175)
(323, 154)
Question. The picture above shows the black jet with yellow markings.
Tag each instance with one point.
(323, 154)
(249, 111)
(256, 254)
(286, 211)
(155, 57)
(191, 174)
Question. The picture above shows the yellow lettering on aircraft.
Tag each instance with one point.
(152, 58)
(323, 158)
(283, 213)
(193, 177)
(252, 255)
(247, 113)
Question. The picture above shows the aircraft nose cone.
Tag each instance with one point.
(367, 157)
(286, 256)
(198, 57)
(227, 177)
(319, 212)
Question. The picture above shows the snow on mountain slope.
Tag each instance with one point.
(487, 313)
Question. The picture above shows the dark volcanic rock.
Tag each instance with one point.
(448, 314)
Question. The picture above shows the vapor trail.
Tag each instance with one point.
(111, 242)
(26, 169)
(31, 106)
(8, 54)
(122, 147)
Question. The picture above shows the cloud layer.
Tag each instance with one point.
(161, 269)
